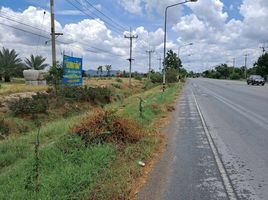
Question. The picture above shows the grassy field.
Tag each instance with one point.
(71, 170)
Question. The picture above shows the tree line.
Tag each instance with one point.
(12, 66)
(224, 71)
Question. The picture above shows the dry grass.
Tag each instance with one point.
(108, 81)
(11, 88)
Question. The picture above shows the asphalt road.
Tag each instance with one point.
(217, 144)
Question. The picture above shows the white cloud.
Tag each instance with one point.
(88, 38)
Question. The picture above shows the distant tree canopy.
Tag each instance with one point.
(226, 72)
(261, 66)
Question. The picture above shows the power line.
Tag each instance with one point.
(115, 29)
(119, 25)
(30, 32)
(22, 23)
(26, 20)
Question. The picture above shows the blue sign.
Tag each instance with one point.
(72, 71)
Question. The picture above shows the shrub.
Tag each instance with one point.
(99, 95)
(37, 104)
(171, 75)
(116, 85)
(119, 80)
(139, 78)
(4, 128)
(156, 77)
(106, 126)
(234, 76)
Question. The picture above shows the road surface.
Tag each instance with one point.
(217, 144)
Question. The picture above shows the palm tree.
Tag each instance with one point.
(36, 62)
(108, 69)
(10, 64)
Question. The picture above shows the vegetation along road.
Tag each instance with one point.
(217, 147)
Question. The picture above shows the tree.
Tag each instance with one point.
(10, 64)
(36, 62)
(261, 66)
(55, 74)
(172, 61)
(100, 70)
(224, 71)
(108, 69)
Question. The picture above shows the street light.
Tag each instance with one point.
(185, 45)
(165, 38)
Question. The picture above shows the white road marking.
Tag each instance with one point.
(226, 181)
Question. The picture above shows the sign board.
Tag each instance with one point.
(72, 70)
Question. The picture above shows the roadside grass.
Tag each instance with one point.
(14, 87)
(69, 169)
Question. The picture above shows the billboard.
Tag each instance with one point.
(72, 67)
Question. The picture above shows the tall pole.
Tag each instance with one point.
(160, 63)
(130, 37)
(53, 37)
(150, 62)
(233, 64)
(165, 39)
(246, 59)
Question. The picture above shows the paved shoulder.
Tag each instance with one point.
(187, 169)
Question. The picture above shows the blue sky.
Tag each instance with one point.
(220, 30)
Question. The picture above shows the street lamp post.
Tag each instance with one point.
(165, 38)
(179, 49)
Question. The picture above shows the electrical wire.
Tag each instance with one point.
(81, 10)
(22, 23)
(119, 25)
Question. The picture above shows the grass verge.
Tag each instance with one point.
(72, 170)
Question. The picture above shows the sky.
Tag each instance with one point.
(221, 31)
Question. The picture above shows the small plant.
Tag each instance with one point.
(119, 80)
(139, 78)
(106, 126)
(4, 129)
(116, 85)
(37, 104)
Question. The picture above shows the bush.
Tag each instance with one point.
(97, 95)
(119, 80)
(116, 85)
(106, 126)
(234, 76)
(37, 104)
(171, 75)
(139, 78)
(4, 128)
(156, 77)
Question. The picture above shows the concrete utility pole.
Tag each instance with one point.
(130, 37)
(53, 35)
(246, 59)
(150, 61)
(233, 64)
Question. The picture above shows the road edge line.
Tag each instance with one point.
(225, 178)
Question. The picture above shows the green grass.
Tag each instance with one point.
(69, 169)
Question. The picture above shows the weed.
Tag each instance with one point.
(105, 126)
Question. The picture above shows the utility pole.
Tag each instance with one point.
(130, 37)
(53, 37)
(233, 64)
(150, 61)
(246, 59)
(53, 34)
(160, 63)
